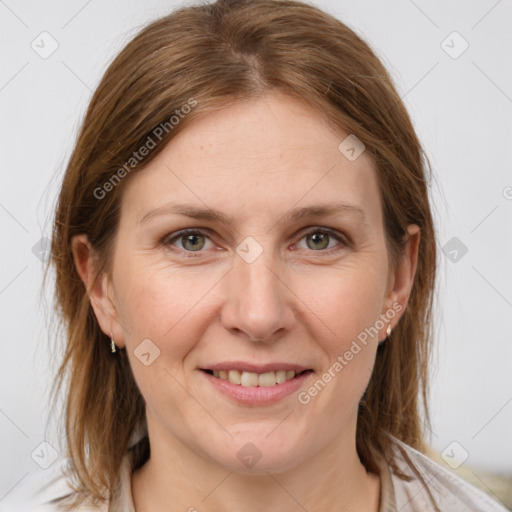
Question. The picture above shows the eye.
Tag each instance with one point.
(194, 241)
(189, 240)
(318, 239)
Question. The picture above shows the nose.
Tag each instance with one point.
(259, 303)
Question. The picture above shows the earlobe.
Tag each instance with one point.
(95, 284)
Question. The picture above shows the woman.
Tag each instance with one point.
(245, 262)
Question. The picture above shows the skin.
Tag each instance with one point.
(255, 160)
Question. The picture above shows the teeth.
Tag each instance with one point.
(267, 379)
(251, 379)
(281, 376)
(234, 376)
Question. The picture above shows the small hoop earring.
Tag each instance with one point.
(112, 344)
(388, 330)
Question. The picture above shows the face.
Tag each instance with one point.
(288, 279)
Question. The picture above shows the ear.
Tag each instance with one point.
(401, 279)
(98, 287)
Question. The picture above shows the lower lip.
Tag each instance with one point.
(257, 395)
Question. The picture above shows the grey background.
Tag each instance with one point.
(461, 108)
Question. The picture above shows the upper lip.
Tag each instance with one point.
(255, 368)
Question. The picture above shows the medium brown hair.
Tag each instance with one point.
(217, 54)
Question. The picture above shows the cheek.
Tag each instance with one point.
(346, 300)
(157, 302)
(165, 307)
(346, 304)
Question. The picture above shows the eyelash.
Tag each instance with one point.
(168, 240)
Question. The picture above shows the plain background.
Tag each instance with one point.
(461, 106)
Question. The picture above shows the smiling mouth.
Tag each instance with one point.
(252, 379)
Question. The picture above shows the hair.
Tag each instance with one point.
(210, 56)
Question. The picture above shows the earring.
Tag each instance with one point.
(388, 330)
(112, 344)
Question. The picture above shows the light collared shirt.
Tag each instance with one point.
(42, 490)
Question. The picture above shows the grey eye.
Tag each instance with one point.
(318, 240)
(192, 242)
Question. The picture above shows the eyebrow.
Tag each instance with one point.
(199, 213)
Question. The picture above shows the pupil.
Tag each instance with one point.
(191, 239)
(319, 238)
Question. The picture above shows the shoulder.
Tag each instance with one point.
(447, 490)
(43, 490)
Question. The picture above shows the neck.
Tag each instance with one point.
(333, 479)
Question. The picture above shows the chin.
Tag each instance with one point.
(258, 454)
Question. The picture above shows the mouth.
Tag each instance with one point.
(254, 384)
(257, 379)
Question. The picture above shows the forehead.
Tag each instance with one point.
(256, 157)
